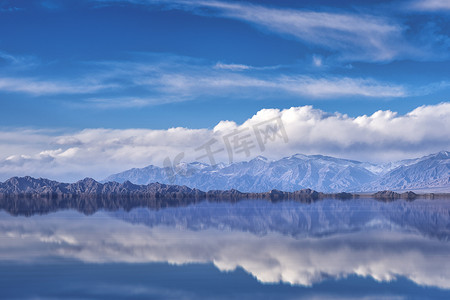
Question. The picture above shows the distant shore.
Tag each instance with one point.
(27, 196)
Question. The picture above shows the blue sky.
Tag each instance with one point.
(68, 66)
(78, 43)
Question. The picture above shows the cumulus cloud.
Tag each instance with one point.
(382, 136)
(271, 258)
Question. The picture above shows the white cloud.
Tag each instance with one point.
(121, 102)
(317, 61)
(232, 67)
(431, 5)
(382, 136)
(230, 84)
(340, 86)
(39, 87)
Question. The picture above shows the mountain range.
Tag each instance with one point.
(322, 173)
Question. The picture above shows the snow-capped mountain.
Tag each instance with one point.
(321, 173)
(430, 172)
(292, 173)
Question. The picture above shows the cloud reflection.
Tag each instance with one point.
(378, 252)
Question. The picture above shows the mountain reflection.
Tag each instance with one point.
(287, 241)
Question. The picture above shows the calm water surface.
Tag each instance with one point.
(255, 249)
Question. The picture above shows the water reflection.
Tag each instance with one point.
(287, 241)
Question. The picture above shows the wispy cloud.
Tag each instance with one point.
(18, 61)
(176, 87)
(297, 85)
(174, 80)
(123, 102)
(6, 8)
(352, 36)
(167, 79)
(8, 57)
(341, 86)
(232, 67)
(38, 87)
(430, 5)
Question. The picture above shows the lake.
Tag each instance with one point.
(251, 249)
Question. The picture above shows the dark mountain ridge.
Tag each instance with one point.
(27, 195)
